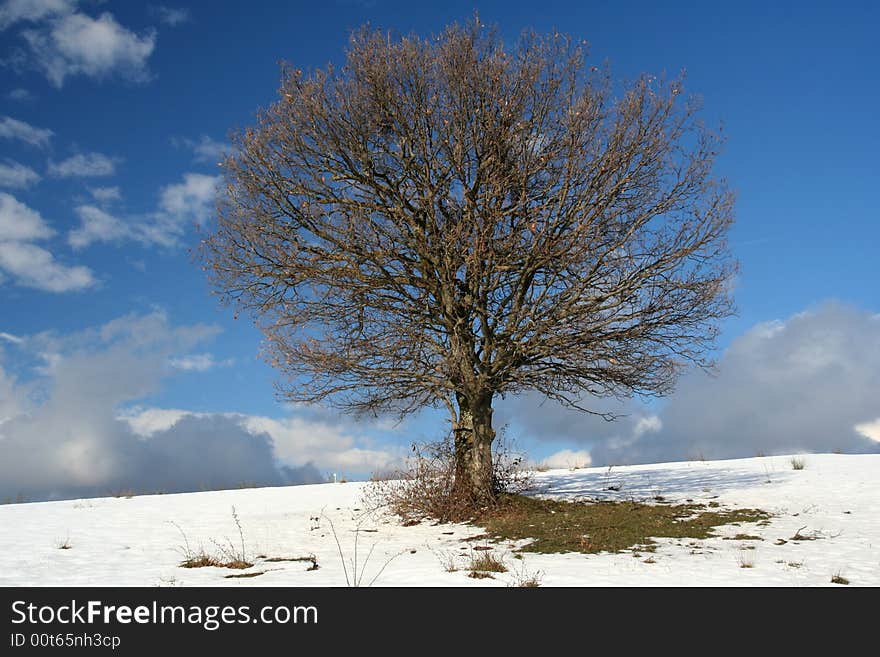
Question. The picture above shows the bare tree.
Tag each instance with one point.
(446, 220)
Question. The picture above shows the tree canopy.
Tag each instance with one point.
(444, 220)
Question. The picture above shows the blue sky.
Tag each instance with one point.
(112, 118)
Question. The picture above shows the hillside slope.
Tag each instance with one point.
(834, 500)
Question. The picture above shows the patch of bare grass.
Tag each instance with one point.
(553, 526)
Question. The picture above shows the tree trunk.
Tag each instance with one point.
(473, 448)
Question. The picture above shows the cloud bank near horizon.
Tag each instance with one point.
(72, 424)
(810, 383)
(70, 431)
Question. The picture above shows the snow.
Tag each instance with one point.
(139, 541)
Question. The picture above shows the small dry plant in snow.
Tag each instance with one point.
(356, 562)
(226, 555)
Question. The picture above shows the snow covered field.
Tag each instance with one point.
(139, 541)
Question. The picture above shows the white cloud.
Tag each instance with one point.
(13, 394)
(35, 267)
(21, 95)
(198, 363)
(301, 440)
(14, 11)
(15, 175)
(30, 265)
(77, 44)
(649, 424)
(206, 150)
(105, 194)
(191, 200)
(147, 421)
(11, 338)
(84, 165)
(64, 42)
(14, 129)
(71, 435)
(172, 16)
(294, 439)
(567, 458)
(180, 204)
(870, 430)
(19, 222)
(804, 384)
(96, 225)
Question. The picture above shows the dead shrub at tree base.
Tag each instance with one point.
(425, 489)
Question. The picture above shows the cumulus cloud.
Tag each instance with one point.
(332, 444)
(18, 222)
(180, 205)
(15, 11)
(309, 438)
(531, 415)
(105, 195)
(198, 363)
(20, 95)
(14, 129)
(96, 225)
(870, 430)
(10, 338)
(74, 432)
(808, 383)
(72, 43)
(172, 16)
(30, 265)
(567, 458)
(193, 199)
(35, 267)
(84, 165)
(205, 150)
(15, 175)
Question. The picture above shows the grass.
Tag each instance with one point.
(356, 577)
(560, 526)
(839, 579)
(204, 560)
(797, 463)
(449, 561)
(242, 575)
(476, 574)
(524, 579)
(745, 561)
(227, 556)
(803, 537)
(312, 559)
(486, 562)
(532, 582)
(743, 537)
